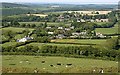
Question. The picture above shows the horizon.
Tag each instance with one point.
(64, 1)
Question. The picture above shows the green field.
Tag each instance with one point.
(112, 30)
(48, 23)
(9, 44)
(15, 29)
(29, 63)
(82, 41)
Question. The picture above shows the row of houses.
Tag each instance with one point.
(91, 20)
(62, 18)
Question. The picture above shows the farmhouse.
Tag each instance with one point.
(75, 33)
(60, 36)
(67, 29)
(48, 27)
(60, 27)
(100, 35)
(25, 39)
(72, 27)
(102, 20)
(51, 33)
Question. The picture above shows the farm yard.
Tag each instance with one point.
(55, 64)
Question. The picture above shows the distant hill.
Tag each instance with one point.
(12, 5)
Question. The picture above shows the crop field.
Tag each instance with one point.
(83, 41)
(15, 29)
(112, 30)
(40, 15)
(16, 63)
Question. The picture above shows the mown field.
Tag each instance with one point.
(112, 30)
(48, 23)
(15, 29)
(16, 63)
(83, 41)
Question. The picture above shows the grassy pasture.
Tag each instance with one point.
(84, 41)
(9, 44)
(112, 30)
(15, 29)
(29, 63)
(48, 23)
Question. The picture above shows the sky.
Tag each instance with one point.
(66, 1)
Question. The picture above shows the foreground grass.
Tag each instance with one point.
(22, 63)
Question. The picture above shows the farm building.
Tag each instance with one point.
(25, 39)
(51, 33)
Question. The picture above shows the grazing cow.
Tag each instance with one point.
(101, 70)
(59, 64)
(51, 65)
(43, 61)
(69, 64)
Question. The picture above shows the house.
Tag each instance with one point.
(102, 20)
(92, 20)
(83, 33)
(67, 29)
(75, 33)
(82, 20)
(60, 36)
(100, 35)
(51, 33)
(48, 27)
(60, 27)
(72, 27)
(61, 18)
(25, 39)
(73, 36)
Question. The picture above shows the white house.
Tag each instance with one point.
(48, 27)
(51, 33)
(60, 27)
(75, 33)
(67, 29)
(25, 39)
(100, 35)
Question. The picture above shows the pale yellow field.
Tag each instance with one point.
(91, 12)
(41, 15)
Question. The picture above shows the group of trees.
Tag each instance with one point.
(15, 23)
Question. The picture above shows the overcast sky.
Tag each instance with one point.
(66, 1)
